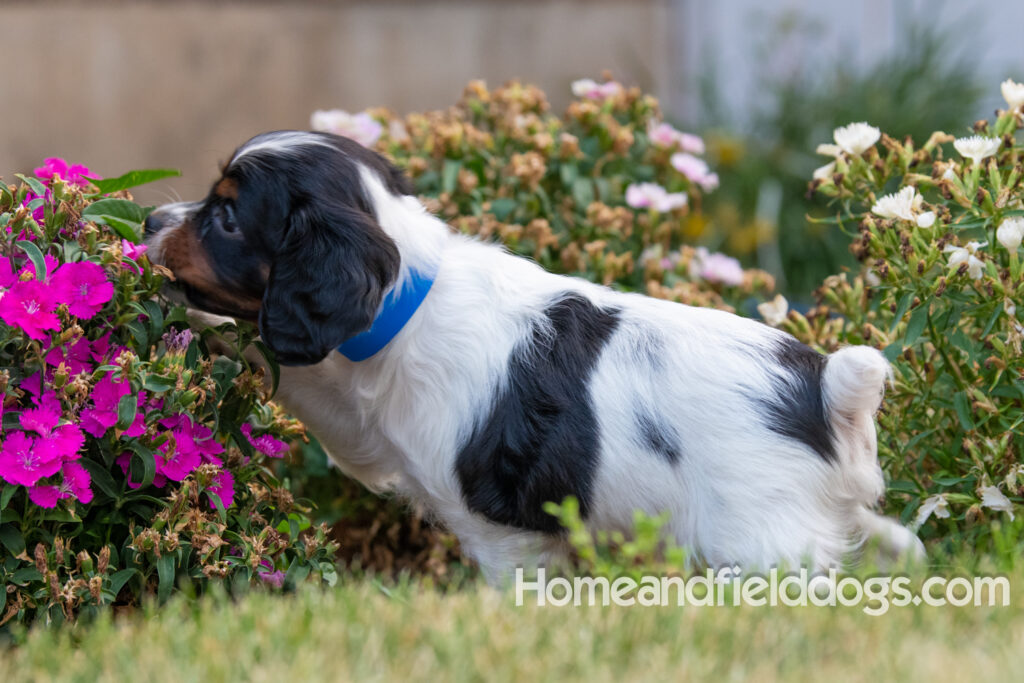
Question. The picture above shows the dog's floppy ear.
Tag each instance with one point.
(326, 282)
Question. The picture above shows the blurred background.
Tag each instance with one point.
(119, 85)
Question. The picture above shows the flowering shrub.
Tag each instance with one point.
(608, 191)
(131, 458)
(938, 229)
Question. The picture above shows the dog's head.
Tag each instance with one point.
(287, 238)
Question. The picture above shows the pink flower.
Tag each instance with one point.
(53, 442)
(223, 488)
(696, 170)
(76, 356)
(665, 136)
(275, 579)
(266, 444)
(30, 306)
(592, 90)
(360, 127)
(77, 482)
(138, 425)
(45, 496)
(132, 251)
(21, 463)
(84, 287)
(193, 445)
(653, 196)
(717, 267)
(75, 174)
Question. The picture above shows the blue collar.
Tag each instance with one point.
(395, 311)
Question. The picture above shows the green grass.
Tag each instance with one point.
(361, 631)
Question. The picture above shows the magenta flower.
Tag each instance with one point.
(223, 488)
(30, 306)
(55, 167)
(105, 396)
(132, 252)
(21, 463)
(77, 482)
(8, 276)
(44, 495)
(266, 444)
(77, 356)
(84, 287)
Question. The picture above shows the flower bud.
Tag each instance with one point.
(1010, 233)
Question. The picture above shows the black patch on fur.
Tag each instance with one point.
(540, 442)
(798, 408)
(658, 437)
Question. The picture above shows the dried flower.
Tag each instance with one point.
(775, 311)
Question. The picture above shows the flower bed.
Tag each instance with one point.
(131, 458)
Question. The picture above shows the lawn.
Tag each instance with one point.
(361, 630)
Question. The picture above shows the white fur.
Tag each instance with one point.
(741, 493)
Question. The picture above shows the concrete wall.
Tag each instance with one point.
(121, 85)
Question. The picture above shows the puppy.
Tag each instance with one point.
(479, 385)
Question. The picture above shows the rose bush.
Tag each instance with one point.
(937, 227)
(132, 459)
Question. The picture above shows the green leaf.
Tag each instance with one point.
(118, 208)
(296, 574)
(902, 309)
(26, 574)
(450, 175)
(119, 579)
(146, 459)
(165, 575)
(8, 493)
(568, 173)
(503, 207)
(962, 405)
(992, 319)
(583, 193)
(34, 255)
(134, 179)
(918, 320)
(126, 409)
(12, 539)
(892, 351)
(36, 186)
(124, 229)
(100, 476)
(275, 369)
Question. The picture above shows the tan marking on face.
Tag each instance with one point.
(226, 188)
(191, 264)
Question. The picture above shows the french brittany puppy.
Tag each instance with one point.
(475, 383)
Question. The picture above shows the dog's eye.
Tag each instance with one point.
(226, 219)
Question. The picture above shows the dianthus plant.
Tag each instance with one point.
(132, 459)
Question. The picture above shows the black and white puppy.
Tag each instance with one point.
(479, 385)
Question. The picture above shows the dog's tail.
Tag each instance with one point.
(853, 383)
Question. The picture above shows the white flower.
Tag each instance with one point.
(1010, 233)
(993, 498)
(654, 196)
(950, 172)
(925, 219)
(1013, 93)
(871, 277)
(696, 170)
(824, 172)
(828, 150)
(1010, 308)
(958, 255)
(361, 127)
(774, 312)
(856, 137)
(936, 505)
(977, 147)
(902, 204)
